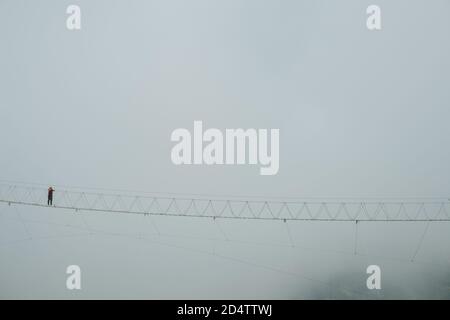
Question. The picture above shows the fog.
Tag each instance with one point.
(361, 114)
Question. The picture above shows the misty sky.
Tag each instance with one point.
(361, 114)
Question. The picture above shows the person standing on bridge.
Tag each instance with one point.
(50, 196)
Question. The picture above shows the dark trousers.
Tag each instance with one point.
(50, 201)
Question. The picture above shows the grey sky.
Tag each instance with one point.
(360, 113)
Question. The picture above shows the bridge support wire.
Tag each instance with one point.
(359, 210)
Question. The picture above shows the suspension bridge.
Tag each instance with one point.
(225, 207)
(412, 209)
